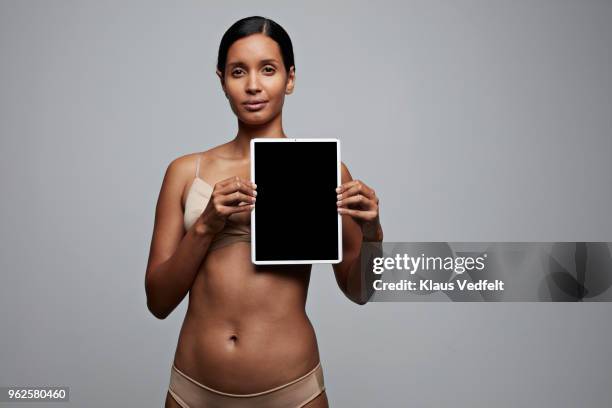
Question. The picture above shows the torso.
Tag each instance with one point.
(246, 328)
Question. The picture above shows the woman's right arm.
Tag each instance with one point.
(174, 258)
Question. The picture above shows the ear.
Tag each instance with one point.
(290, 81)
(220, 75)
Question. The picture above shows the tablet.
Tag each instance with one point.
(295, 219)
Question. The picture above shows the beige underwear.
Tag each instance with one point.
(189, 393)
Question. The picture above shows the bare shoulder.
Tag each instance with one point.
(180, 174)
(209, 156)
(182, 170)
(180, 165)
(186, 165)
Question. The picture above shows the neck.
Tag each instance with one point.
(246, 132)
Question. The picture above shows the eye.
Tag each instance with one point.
(236, 71)
(269, 69)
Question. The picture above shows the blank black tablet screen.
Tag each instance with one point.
(295, 212)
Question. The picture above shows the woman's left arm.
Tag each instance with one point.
(359, 206)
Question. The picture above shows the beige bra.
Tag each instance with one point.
(197, 199)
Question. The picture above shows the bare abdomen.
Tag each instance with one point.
(246, 329)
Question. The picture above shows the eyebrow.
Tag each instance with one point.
(264, 61)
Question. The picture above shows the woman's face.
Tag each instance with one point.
(255, 80)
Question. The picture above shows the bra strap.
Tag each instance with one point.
(197, 173)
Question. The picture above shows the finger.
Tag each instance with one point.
(364, 215)
(235, 198)
(227, 181)
(240, 208)
(241, 185)
(343, 188)
(346, 185)
(356, 187)
(358, 199)
(234, 179)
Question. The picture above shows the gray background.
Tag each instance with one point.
(474, 121)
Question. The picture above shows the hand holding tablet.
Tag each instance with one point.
(229, 196)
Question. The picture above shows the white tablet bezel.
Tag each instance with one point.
(339, 177)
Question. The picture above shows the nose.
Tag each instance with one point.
(253, 84)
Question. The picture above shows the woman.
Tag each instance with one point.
(246, 340)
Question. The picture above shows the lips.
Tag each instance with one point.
(255, 104)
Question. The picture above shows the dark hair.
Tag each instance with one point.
(254, 25)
